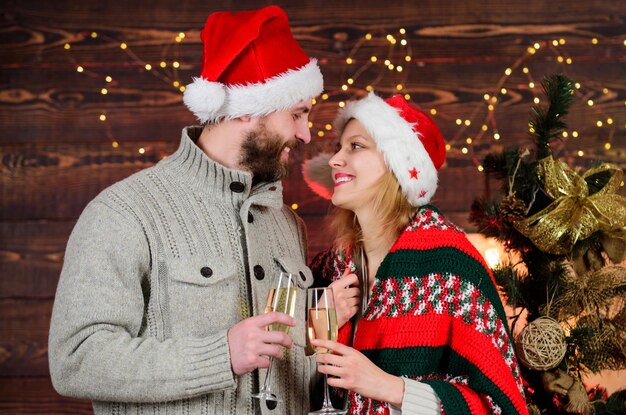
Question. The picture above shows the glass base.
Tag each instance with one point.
(328, 411)
(266, 396)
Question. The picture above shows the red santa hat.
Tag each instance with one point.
(410, 142)
(251, 65)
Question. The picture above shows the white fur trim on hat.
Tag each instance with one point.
(213, 101)
(397, 142)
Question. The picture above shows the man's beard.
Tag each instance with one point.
(261, 155)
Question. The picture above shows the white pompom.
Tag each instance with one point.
(205, 99)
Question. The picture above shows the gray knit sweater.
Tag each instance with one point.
(157, 269)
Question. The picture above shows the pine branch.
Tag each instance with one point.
(547, 124)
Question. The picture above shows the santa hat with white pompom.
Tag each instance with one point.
(252, 66)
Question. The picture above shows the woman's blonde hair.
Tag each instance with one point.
(390, 204)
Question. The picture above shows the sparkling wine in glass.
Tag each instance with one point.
(322, 325)
(282, 298)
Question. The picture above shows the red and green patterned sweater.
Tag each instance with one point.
(435, 316)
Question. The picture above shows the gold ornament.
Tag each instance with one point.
(574, 215)
(541, 345)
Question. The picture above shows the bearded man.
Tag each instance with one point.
(159, 308)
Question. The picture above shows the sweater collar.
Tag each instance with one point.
(192, 168)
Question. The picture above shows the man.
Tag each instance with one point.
(159, 307)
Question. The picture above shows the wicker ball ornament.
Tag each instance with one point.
(541, 345)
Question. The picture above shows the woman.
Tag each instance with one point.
(431, 334)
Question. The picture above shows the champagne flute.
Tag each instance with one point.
(322, 324)
(282, 298)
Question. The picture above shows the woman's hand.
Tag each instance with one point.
(355, 372)
(347, 297)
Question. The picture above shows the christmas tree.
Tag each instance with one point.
(568, 231)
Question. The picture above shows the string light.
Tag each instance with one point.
(609, 121)
(464, 150)
(123, 46)
(176, 64)
(407, 97)
(328, 127)
(320, 133)
(496, 136)
(342, 104)
(141, 150)
(575, 134)
(480, 167)
(148, 67)
(607, 146)
(594, 41)
(590, 102)
(448, 147)
(349, 61)
(536, 100)
(581, 153)
(525, 70)
(79, 68)
(467, 122)
(503, 91)
(508, 71)
(108, 79)
(115, 144)
(459, 121)
(94, 35)
(368, 36)
(163, 64)
(294, 206)
(433, 111)
(104, 91)
(599, 123)
(484, 127)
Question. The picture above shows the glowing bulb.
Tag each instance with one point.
(531, 84)
(115, 144)
(324, 97)
(536, 45)
(176, 64)
(163, 64)
(532, 50)
(103, 117)
(399, 87)
(459, 121)
(148, 67)
(181, 35)
(369, 88)
(574, 134)
(407, 58)
(124, 46)
(350, 81)
(66, 46)
(464, 150)
(344, 87)
(349, 61)
(399, 68)
(609, 121)
(294, 206)
(94, 35)
(328, 127)
(403, 42)
(525, 70)
(581, 153)
(508, 71)
(79, 69)
(568, 61)
(536, 100)
(468, 140)
(391, 66)
(402, 31)
(433, 111)
(496, 136)
(387, 62)
(320, 133)
(560, 59)
(182, 89)
(590, 103)
(368, 36)
(605, 90)
(310, 124)
(564, 134)
(448, 147)
(342, 104)
(108, 79)
(467, 122)
(503, 91)
(178, 39)
(490, 107)
(484, 127)
(141, 150)
(594, 41)
(480, 168)
(373, 58)
(599, 123)
(176, 84)
(313, 101)
(104, 91)
(607, 146)
(555, 42)
(561, 41)
(407, 97)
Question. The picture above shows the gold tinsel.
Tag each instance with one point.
(574, 215)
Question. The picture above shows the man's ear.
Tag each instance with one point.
(244, 118)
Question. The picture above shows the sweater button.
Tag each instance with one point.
(271, 405)
(302, 276)
(237, 187)
(206, 272)
(250, 218)
(259, 272)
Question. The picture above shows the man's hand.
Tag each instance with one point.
(251, 345)
(347, 297)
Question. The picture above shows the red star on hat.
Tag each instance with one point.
(414, 173)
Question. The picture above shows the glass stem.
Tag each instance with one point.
(266, 384)
(327, 403)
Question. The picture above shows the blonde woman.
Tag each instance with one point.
(422, 327)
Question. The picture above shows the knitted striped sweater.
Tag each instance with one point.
(434, 315)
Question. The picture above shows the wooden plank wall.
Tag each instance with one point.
(56, 154)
